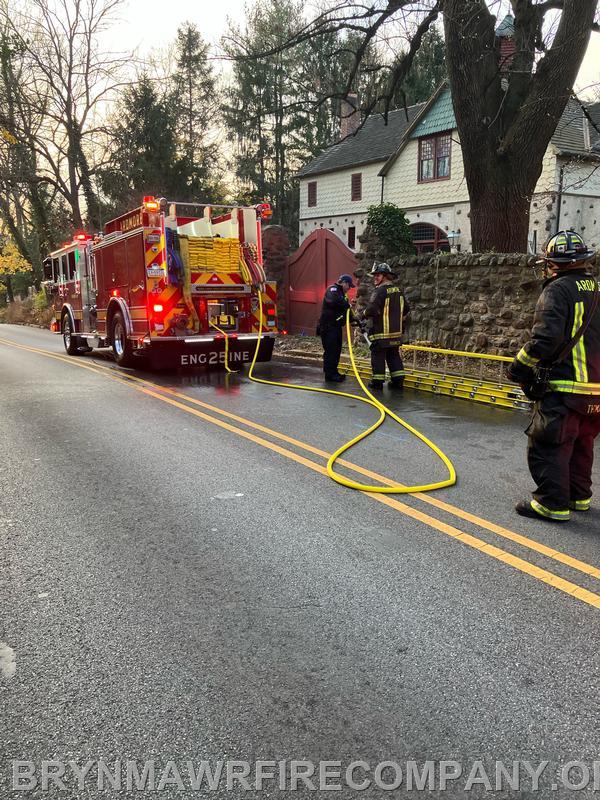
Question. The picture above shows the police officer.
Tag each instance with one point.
(331, 323)
(386, 312)
(566, 419)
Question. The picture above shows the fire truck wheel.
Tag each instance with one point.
(121, 345)
(70, 341)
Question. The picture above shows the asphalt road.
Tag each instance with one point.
(178, 584)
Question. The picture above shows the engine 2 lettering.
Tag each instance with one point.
(191, 359)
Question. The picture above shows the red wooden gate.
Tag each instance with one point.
(319, 262)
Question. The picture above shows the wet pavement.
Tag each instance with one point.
(180, 580)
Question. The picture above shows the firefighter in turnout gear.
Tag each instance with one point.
(566, 417)
(386, 312)
(331, 324)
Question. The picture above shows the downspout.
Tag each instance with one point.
(561, 175)
(382, 182)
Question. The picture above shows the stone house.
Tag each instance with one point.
(415, 161)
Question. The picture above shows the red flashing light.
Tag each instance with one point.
(115, 292)
(270, 312)
(81, 237)
(284, 333)
(157, 308)
(264, 211)
(151, 203)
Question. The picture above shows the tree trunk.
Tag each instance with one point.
(91, 199)
(13, 228)
(505, 121)
(73, 154)
(500, 218)
(7, 280)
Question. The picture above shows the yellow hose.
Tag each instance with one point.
(383, 411)
(226, 335)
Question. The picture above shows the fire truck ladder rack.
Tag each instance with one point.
(477, 377)
(457, 373)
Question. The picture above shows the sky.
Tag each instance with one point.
(150, 24)
(153, 23)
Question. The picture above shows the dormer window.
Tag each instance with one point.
(434, 157)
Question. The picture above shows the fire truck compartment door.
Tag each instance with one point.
(117, 270)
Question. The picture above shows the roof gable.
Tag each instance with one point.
(574, 135)
(378, 142)
(374, 142)
(439, 117)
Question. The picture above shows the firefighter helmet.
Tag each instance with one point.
(566, 249)
(382, 269)
(346, 279)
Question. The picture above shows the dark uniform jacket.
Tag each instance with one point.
(387, 309)
(560, 310)
(335, 308)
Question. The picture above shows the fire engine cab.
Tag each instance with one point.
(169, 280)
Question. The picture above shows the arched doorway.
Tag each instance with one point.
(427, 238)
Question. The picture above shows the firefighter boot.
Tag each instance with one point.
(581, 505)
(529, 508)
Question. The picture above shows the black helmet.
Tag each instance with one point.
(346, 279)
(566, 249)
(382, 269)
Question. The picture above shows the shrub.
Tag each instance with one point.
(43, 313)
(390, 225)
(19, 312)
(31, 311)
(40, 301)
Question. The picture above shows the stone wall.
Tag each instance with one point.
(276, 249)
(480, 303)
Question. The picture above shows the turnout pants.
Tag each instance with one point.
(390, 354)
(331, 338)
(560, 454)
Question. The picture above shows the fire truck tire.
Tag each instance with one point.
(71, 342)
(121, 346)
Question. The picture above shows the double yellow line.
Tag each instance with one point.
(231, 422)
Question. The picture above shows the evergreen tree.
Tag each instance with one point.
(144, 148)
(327, 64)
(194, 106)
(428, 70)
(263, 108)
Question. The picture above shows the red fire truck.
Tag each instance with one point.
(169, 280)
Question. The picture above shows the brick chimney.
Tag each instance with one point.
(505, 34)
(349, 115)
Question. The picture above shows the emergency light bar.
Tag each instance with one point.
(151, 203)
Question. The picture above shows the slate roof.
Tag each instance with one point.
(506, 27)
(569, 137)
(375, 141)
(440, 117)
